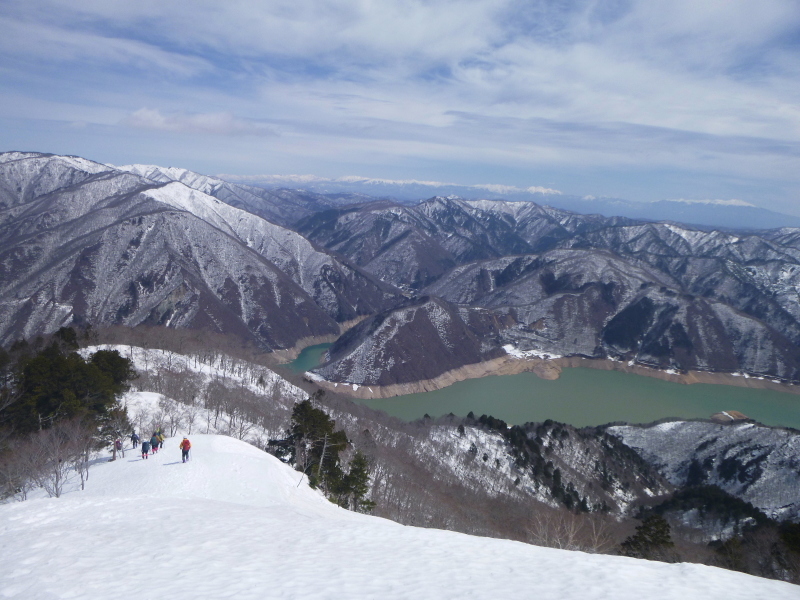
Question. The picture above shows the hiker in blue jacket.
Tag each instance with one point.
(145, 449)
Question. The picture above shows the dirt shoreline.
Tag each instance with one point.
(547, 369)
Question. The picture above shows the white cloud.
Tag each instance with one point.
(511, 189)
(209, 123)
(28, 41)
(731, 202)
(495, 188)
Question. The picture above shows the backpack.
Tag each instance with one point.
(186, 445)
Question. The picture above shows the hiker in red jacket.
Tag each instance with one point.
(185, 447)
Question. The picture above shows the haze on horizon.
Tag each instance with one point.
(622, 98)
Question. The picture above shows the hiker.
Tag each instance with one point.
(134, 439)
(185, 446)
(145, 449)
(160, 436)
(118, 444)
(154, 443)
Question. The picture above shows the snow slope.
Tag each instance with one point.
(233, 523)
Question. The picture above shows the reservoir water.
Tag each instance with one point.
(582, 397)
(308, 358)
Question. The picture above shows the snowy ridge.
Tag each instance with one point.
(241, 374)
(234, 522)
(201, 183)
(289, 251)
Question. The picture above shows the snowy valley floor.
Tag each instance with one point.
(234, 523)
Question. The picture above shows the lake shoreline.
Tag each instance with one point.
(549, 369)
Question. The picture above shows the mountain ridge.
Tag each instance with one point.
(355, 555)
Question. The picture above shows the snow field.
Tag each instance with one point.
(233, 523)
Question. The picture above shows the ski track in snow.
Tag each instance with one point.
(233, 523)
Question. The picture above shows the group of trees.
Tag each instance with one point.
(314, 446)
(56, 408)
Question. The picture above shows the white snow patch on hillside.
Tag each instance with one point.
(243, 374)
(511, 350)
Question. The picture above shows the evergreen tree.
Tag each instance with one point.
(314, 445)
(56, 383)
(652, 541)
(355, 485)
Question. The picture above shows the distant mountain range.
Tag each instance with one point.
(706, 213)
(437, 285)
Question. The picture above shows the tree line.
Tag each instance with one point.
(56, 408)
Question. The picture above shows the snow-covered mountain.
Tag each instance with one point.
(758, 464)
(658, 294)
(82, 242)
(234, 521)
(280, 205)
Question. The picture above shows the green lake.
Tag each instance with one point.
(308, 358)
(582, 397)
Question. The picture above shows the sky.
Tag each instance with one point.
(638, 99)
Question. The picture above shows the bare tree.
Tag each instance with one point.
(19, 469)
(190, 413)
(141, 420)
(172, 415)
(82, 443)
(55, 449)
(560, 528)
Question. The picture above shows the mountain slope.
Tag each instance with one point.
(658, 294)
(281, 206)
(233, 521)
(81, 242)
(755, 463)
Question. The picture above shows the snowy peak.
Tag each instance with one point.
(27, 176)
(73, 162)
(202, 183)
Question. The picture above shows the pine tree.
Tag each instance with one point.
(356, 485)
(58, 384)
(314, 445)
(652, 541)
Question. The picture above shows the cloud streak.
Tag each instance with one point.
(222, 123)
(495, 188)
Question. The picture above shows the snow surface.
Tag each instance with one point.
(511, 350)
(234, 523)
